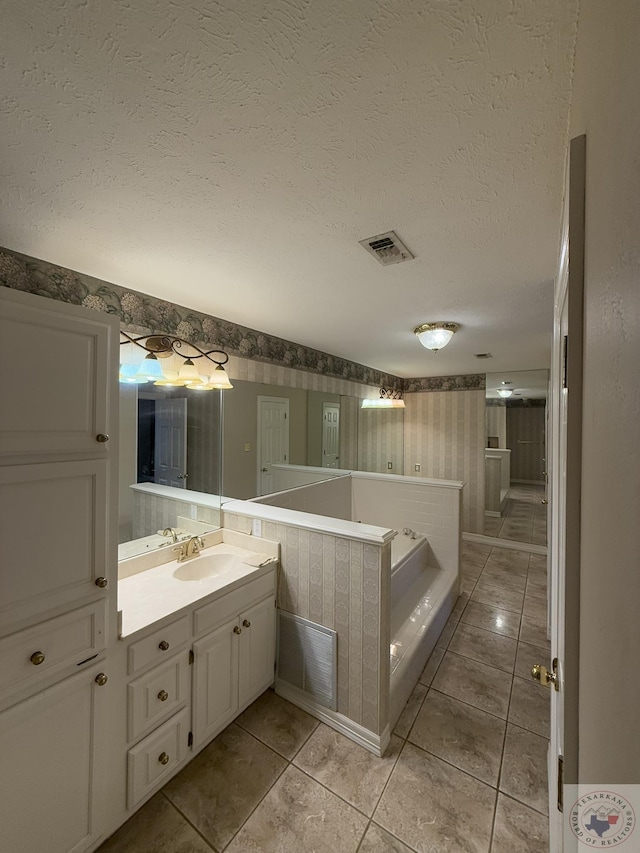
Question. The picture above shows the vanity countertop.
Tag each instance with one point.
(148, 596)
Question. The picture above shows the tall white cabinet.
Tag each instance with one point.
(58, 415)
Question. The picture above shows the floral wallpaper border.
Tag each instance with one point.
(143, 314)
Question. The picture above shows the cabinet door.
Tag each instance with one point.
(48, 768)
(257, 650)
(215, 682)
(56, 398)
(54, 524)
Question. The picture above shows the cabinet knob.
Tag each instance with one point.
(163, 696)
(163, 646)
(163, 758)
(101, 679)
(237, 630)
(246, 623)
(101, 582)
(37, 658)
(102, 437)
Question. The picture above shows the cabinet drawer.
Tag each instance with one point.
(158, 694)
(153, 760)
(234, 602)
(157, 646)
(52, 647)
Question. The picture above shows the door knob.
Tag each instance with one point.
(264, 470)
(237, 630)
(102, 437)
(101, 582)
(544, 676)
(544, 501)
(246, 623)
(101, 679)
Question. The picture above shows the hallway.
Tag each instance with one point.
(524, 518)
(465, 771)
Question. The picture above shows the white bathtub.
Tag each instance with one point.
(409, 557)
(422, 597)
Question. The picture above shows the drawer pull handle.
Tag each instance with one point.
(246, 623)
(37, 658)
(163, 646)
(163, 758)
(102, 438)
(101, 582)
(101, 679)
(237, 630)
(163, 696)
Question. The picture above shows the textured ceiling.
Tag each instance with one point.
(229, 156)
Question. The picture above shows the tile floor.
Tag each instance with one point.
(465, 771)
(524, 517)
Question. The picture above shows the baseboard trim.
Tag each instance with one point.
(376, 744)
(480, 539)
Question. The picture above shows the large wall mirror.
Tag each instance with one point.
(266, 425)
(515, 456)
(170, 465)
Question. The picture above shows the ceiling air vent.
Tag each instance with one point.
(483, 355)
(387, 249)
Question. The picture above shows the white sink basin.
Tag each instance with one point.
(200, 568)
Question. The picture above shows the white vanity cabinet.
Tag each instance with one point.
(234, 663)
(58, 424)
(50, 781)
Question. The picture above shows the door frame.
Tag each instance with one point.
(565, 493)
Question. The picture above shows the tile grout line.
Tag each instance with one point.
(186, 820)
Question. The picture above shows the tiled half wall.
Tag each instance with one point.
(343, 584)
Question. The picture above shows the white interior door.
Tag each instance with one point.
(330, 435)
(565, 471)
(273, 438)
(170, 458)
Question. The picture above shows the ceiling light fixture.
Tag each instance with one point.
(388, 399)
(434, 336)
(504, 392)
(180, 366)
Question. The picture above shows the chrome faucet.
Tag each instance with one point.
(190, 548)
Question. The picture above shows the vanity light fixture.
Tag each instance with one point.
(172, 361)
(434, 336)
(388, 399)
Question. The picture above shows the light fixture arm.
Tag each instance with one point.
(165, 345)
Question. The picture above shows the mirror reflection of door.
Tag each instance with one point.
(171, 442)
(162, 440)
(273, 438)
(330, 435)
(516, 507)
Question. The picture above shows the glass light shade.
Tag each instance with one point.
(220, 379)
(129, 375)
(435, 339)
(504, 392)
(150, 368)
(170, 379)
(188, 374)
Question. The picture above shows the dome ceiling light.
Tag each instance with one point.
(505, 392)
(434, 336)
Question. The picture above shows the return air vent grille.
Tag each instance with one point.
(387, 249)
(307, 658)
(483, 355)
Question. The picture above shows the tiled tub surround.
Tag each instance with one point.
(337, 572)
(458, 775)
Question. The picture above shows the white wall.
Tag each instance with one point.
(331, 498)
(605, 107)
